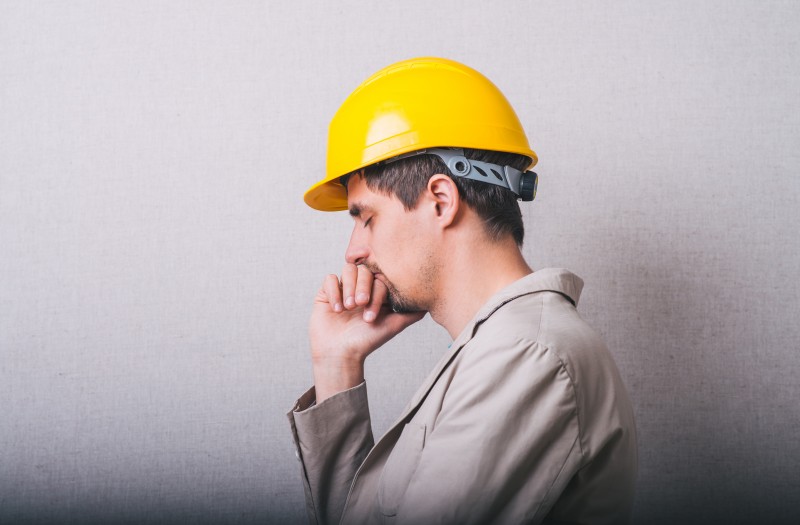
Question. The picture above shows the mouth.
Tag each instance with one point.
(376, 272)
(382, 278)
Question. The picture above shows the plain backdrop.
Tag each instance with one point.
(157, 263)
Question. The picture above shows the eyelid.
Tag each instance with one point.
(366, 222)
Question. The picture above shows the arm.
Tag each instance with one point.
(332, 439)
(348, 322)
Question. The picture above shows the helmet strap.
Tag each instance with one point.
(523, 184)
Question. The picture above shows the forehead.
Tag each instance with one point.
(360, 197)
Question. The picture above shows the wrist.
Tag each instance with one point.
(332, 376)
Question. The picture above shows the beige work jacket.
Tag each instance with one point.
(524, 420)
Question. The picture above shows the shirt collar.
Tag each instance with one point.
(556, 280)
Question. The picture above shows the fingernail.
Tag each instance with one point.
(369, 316)
(337, 307)
(362, 297)
(349, 302)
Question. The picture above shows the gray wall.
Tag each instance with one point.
(157, 263)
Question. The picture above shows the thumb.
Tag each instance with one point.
(397, 322)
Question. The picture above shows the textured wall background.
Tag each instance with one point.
(157, 263)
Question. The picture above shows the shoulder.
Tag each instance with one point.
(546, 323)
(544, 336)
(523, 337)
(541, 334)
(544, 318)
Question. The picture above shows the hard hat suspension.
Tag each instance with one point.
(523, 184)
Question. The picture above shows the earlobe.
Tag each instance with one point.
(444, 194)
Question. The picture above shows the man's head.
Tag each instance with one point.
(415, 154)
(412, 217)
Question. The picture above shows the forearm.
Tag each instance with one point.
(332, 376)
(332, 439)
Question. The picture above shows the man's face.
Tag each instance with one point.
(392, 243)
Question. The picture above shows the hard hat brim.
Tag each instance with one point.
(326, 195)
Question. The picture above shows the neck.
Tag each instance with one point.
(475, 270)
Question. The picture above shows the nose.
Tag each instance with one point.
(357, 250)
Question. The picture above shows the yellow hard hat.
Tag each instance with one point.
(413, 105)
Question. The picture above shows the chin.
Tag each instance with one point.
(407, 309)
(401, 305)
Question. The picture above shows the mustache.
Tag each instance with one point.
(374, 268)
(396, 301)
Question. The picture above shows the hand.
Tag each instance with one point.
(349, 321)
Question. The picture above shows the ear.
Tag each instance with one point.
(444, 196)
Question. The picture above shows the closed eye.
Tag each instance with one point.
(366, 223)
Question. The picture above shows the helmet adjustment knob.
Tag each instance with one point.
(528, 182)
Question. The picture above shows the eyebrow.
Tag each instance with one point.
(357, 208)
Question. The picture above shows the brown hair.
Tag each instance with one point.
(498, 207)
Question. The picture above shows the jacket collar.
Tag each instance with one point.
(556, 280)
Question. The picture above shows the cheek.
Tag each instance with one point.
(399, 246)
(412, 250)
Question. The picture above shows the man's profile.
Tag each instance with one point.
(525, 418)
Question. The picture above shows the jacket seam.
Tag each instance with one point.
(563, 365)
(306, 480)
(549, 350)
(575, 397)
(545, 501)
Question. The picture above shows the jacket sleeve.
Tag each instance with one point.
(504, 444)
(331, 439)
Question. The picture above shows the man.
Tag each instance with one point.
(525, 418)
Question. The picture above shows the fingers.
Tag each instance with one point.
(364, 286)
(356, 286)
(355, 289)
(349, 277)
(330, 287)
(376, 300)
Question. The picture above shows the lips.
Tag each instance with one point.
(373, 269)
